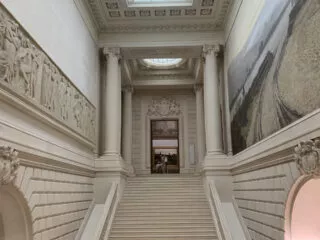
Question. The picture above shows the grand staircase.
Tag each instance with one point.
(163, 207)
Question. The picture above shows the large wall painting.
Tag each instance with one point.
(275, 79)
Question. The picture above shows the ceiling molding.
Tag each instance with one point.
(174, 39)
(183, 82)
(166, 27)
(115, 16)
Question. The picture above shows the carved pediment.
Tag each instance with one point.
(164, 107)
(9, 164)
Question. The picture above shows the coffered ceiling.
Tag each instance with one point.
(114, 16)
(140, 76)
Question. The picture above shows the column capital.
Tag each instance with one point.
(128, 88)
(113, 51)
(211, 49)
(197, 87)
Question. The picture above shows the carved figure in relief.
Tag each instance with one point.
(9, 164)
(24, 68)
(63, 98)
(24, 64)
(46, 82)
(77, 110)
(69, 97)
(37, 62)
(10, 45)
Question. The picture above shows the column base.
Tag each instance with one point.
(111, 162)
(130, 170)
(217, 162)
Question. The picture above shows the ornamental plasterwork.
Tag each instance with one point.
(27, 72)
(116, 16)
(164, 107)
(9, 164)
(308, 158)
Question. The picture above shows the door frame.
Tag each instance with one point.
(147, 139)
(178, 138)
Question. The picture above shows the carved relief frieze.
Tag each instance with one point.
(26, 71)
(164, 107)
(9, 164)
(307, 157)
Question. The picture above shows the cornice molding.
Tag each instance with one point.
(172, 39)
(190, 27)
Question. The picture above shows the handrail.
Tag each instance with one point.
(218, 212)
(106, 211)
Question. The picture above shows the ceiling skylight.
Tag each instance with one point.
(163, 62)
(159, 3)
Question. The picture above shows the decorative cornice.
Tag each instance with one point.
(307, 155)
(9, 164)
(196, 27)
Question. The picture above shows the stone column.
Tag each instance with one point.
(198, 88)
(212, 102)
(127, 127)
(112, 104)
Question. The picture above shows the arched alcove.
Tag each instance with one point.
(15, 219)
(303, 210)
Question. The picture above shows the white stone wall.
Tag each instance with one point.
(57, 201)
(57, 26)
(141, 101)
(261, 196)
(241, 19)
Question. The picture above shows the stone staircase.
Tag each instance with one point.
(163, 207)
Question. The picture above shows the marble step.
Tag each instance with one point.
(165, 225)
(150, 236)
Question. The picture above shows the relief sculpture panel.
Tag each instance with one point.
(25, 70)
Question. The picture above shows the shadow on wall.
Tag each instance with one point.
(274, 80)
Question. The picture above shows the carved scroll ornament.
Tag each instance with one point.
(26, 71)
(307, 157)
(164, 107)
(9, 164)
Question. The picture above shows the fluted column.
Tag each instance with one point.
(212, 102)
(127, 127)
(198, 88)
(113, 102)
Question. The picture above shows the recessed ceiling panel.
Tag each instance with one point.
(159, 3)
(159, 15)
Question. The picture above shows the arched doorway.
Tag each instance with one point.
(15, 220)
(303, 210)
